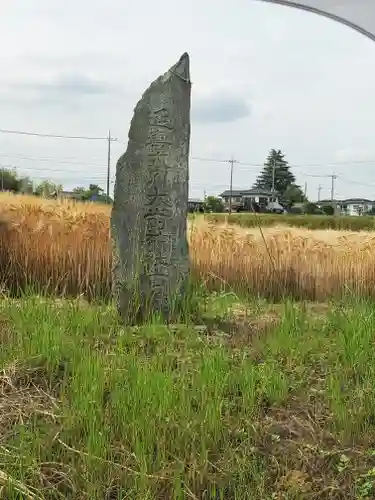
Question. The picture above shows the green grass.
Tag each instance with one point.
(255, 401)
(342, 223)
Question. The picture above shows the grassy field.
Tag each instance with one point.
(248, 401)
(340, 223)
(248, 398)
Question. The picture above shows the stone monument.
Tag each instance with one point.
(150, 267)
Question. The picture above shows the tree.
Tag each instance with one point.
(25, 185)
(79, 190)
(285, 182)
(293, 194)
(93, 193)
(328, 210)
(48, 188)
(9, 180)
(311, 209)
(214, 204)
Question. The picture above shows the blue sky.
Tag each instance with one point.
(264, 76)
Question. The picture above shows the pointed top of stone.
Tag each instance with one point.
(182, 67)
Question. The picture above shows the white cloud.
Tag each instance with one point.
(221, 107)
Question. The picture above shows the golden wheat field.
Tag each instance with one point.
(65, 248)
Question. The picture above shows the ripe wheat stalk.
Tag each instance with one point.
(64, 248)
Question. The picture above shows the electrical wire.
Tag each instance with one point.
(241, 166)
(66, 161)
(302, 165)
(55, 136)
(195, 158)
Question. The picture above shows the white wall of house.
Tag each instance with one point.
(236, 199)
(239, 200)
(358, 208)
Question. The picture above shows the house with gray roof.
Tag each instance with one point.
(246, 199)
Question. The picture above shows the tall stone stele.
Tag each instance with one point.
(149, 216)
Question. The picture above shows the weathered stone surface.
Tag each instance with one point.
(149, 215)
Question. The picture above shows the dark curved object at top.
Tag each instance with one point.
(320, 12)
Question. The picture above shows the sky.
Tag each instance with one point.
(263, 76)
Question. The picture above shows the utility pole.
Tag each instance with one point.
(333, 178)
(109, 163)
(319, 190)
(305, 190)
(232, 162)
(110, 139)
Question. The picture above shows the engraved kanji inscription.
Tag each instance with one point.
(162, 135)
(159, 249)
(155, 225)
(158, 148)
(157, 179)
(161, 117)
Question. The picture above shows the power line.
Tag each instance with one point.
(110, 139)
(195, 183)
(54, 136)
(194, 158)
(50, 160)
(76, 177)
(40, 169)
(356, 182)
(232, 161)
(102, 175)
(292, 165)
(209, 159)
